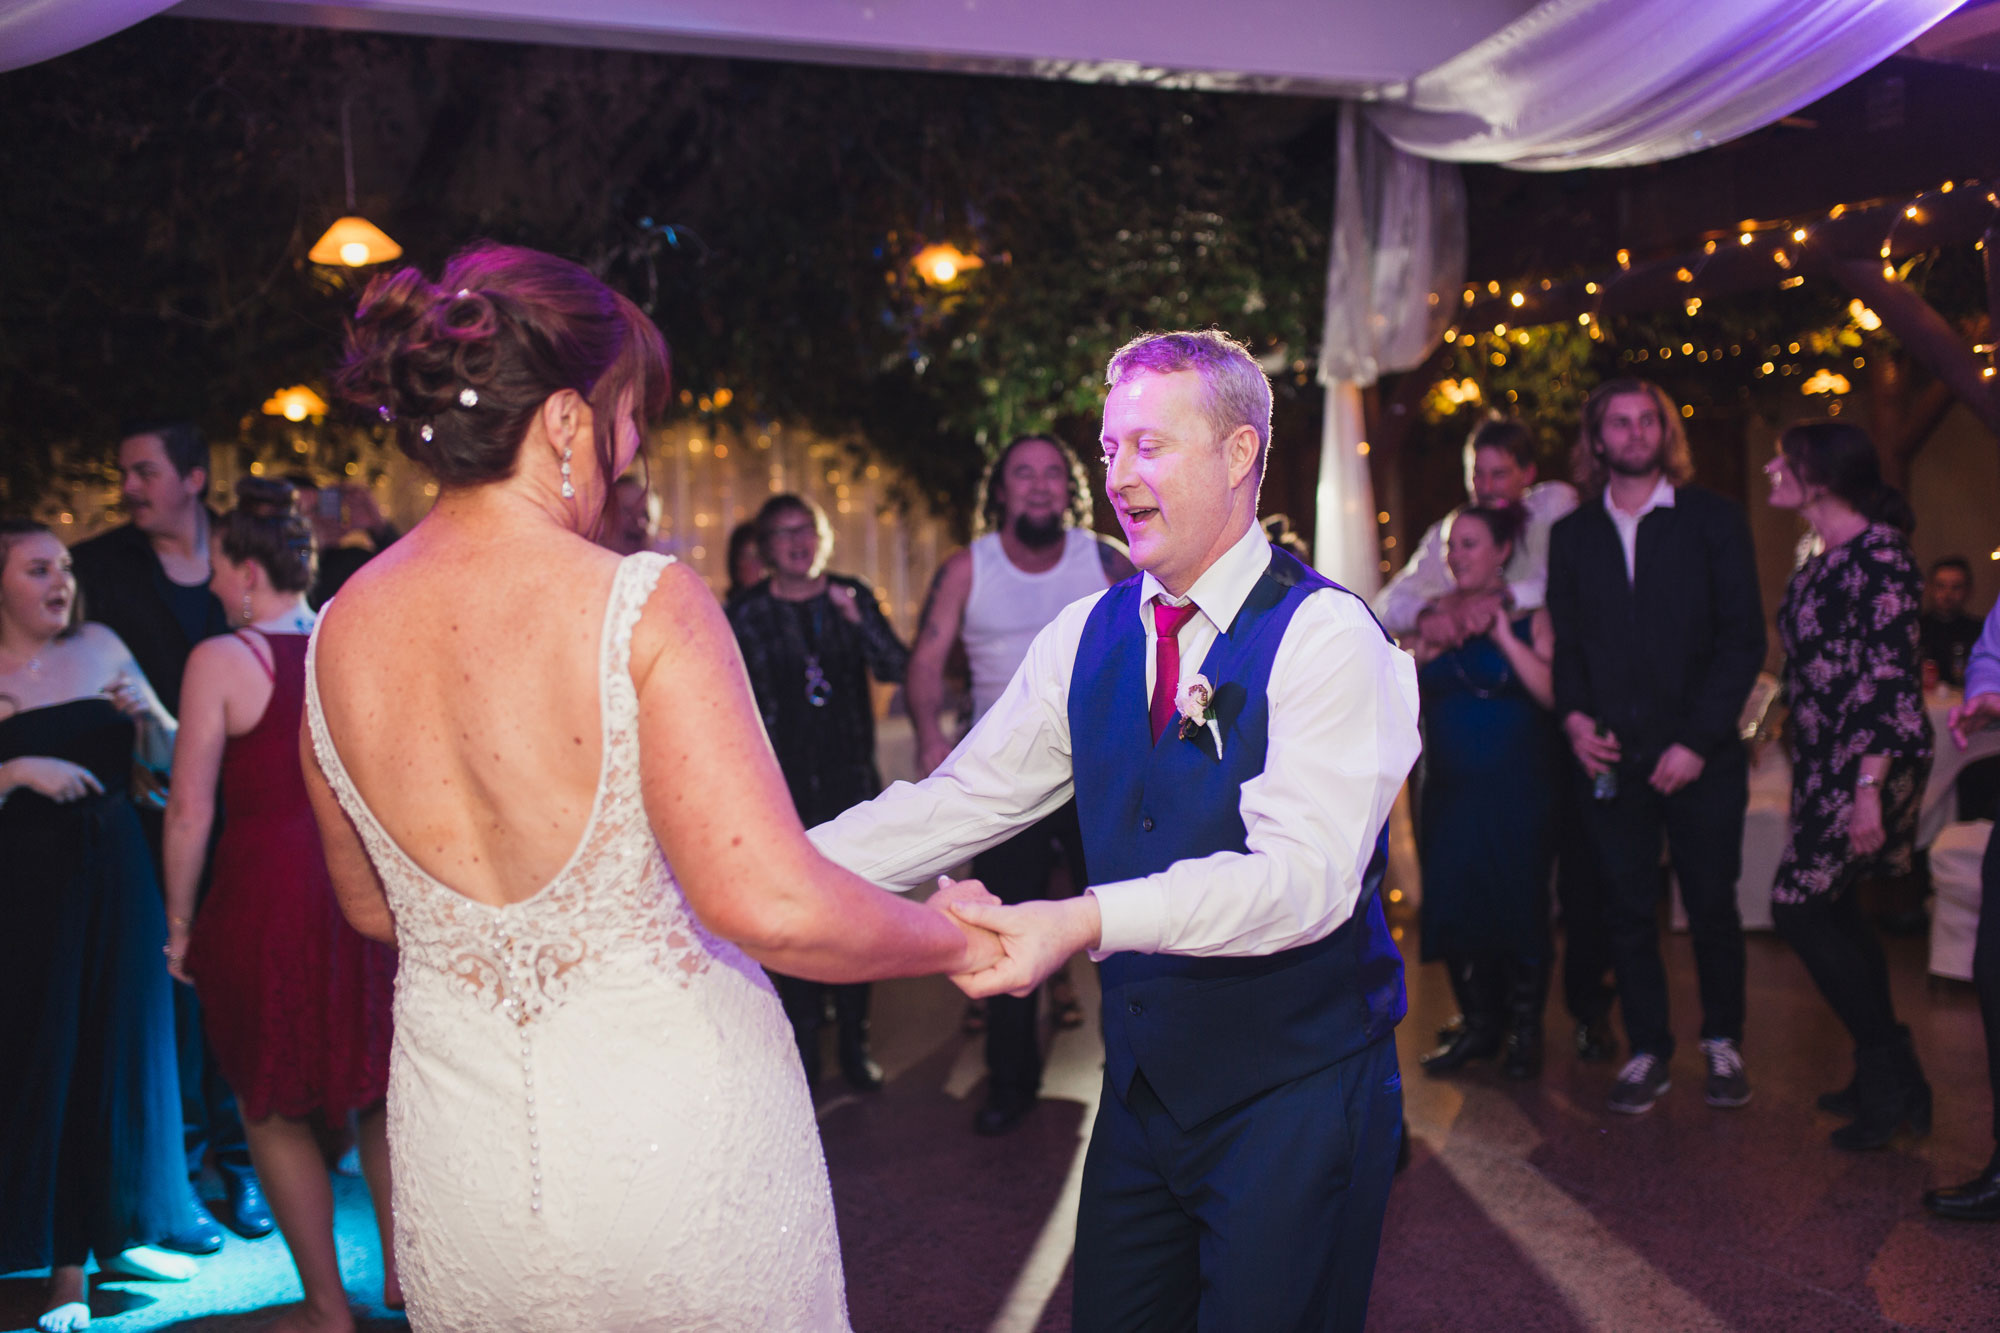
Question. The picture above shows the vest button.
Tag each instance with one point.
(1147, 824)
(1135, 1008)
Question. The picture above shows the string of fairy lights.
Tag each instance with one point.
(1819, 360)
(1783, 242)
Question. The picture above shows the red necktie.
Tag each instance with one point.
(1167, 622)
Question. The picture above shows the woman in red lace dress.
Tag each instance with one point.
(296, 1003)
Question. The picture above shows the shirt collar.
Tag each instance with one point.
(1661, 498)
(1225, 585)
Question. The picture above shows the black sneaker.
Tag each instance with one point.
(1728, 1085)
(1639, 1085)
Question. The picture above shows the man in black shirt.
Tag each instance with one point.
(810, 641)
(148, 581)
(1659, 638)
(1945, 633)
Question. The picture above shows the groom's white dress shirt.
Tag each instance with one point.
(1343, 736)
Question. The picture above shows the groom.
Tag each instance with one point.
(1240, 1163)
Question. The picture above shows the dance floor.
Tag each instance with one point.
(1525, 1207)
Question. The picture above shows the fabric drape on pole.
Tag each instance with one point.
(1397, 262)
(36, 30)
(1613, 83)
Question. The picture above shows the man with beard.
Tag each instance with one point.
(1035, 555)
(1659, 638)
(148, 580)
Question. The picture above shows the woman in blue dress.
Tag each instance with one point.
(1487, 814)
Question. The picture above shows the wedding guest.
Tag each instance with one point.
(347, 531)
(1659, 638)
(147, 580)
(90, 1145)
(1422, 603)
(1978, 1199)
(1422, 599)
(1492, 775)
(1034, 554)
(746, 562)
(1861, 751)
(811, 640)
(297, 1003)
(628, 527)
(1945, 633)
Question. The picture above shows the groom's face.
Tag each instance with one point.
(1166, 473)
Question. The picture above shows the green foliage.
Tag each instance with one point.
(165, 184)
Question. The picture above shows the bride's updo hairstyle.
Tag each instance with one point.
(460, 367)
(266, 526)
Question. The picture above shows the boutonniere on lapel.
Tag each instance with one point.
(1195, 701)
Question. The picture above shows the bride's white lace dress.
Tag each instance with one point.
(597, 1118)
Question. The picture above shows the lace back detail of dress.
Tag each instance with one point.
(614, 904)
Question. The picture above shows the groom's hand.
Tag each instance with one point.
(982, 947)
(1038, 938)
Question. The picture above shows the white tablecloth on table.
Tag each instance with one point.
(1940, 805)
(1763, 840)
(1770, 805)
(1955, 865)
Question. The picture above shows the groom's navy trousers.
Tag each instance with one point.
(1241, 1159)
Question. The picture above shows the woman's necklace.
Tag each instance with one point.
(33, 664)
(818, 688)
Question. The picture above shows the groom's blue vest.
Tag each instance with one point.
(1211, 1032)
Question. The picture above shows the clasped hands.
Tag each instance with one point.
(1457, 616)
(1011, 950)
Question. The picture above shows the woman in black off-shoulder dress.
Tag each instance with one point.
(90, 1125)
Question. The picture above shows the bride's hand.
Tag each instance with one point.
(982, 947)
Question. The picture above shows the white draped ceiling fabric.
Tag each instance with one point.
(1394, 271)
(1553, 86)
(1570, 84)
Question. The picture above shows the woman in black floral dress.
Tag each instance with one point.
(1861, 751)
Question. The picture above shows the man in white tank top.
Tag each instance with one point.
(1035, 555)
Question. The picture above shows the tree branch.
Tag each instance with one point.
(1925, 333)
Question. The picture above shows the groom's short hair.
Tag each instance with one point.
(1238, 392)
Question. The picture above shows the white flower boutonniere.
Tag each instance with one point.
(1195, 701)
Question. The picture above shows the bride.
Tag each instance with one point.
(538, 771)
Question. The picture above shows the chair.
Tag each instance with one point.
(1765, 825)
(1955, 861)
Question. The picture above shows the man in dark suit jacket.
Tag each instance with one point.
(148, 580)
(1659, 638)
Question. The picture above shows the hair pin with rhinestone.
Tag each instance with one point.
(468, 397)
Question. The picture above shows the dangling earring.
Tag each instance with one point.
(247, 614)
(568, 491)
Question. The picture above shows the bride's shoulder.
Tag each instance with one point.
(680, 622)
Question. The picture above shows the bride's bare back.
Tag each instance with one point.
(476, 737)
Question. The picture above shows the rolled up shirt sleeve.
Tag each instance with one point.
(1342, 739)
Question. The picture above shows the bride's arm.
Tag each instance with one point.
(355, 883)
(724, 817)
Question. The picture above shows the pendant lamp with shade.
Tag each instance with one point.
(352, 241)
